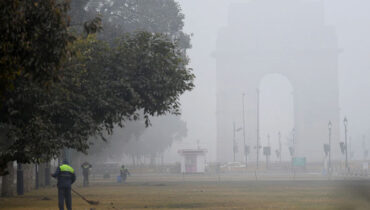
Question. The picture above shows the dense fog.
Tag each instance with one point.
(214, 104)
(348, 20)
(306, 59)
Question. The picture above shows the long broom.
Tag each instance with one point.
(83, 198)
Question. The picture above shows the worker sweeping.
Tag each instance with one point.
(66, 177)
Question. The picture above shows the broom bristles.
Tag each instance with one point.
(93, 202)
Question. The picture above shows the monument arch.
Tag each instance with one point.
(288, 37)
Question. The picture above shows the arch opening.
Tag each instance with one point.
(276, 114)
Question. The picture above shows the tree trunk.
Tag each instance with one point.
(42, 175)
(28, 175)
(47, 173)
(7, 188)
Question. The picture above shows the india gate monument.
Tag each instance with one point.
(287, 37)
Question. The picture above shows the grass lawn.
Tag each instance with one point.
(207, 195)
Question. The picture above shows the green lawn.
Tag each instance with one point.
(208, 195)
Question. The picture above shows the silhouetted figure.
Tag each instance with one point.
(85, 173)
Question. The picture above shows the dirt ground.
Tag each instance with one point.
(186, 193)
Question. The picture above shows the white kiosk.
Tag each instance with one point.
(193, 161)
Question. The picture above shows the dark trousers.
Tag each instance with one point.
(64, 194)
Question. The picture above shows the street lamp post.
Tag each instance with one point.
(234, 139)
(234, 143)
(329, 127)
(268, 151)
(279, 135)
(245, 148)
(258, 127)
(294, 149)
(350, 151)
(345, 122)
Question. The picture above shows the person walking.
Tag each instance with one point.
(85, 172)
(66, 177)
(124, 173)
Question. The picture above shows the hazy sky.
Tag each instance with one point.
(199, 106)
(204, 18)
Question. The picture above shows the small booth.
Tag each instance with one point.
(193, 160)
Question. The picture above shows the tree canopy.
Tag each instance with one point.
(100, 87)
(127, 16)
(34, 39)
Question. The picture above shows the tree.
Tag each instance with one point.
(100, 87)
(33, 44)
(119, 17)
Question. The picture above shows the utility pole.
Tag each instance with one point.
(258, 127)
(245, 149)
